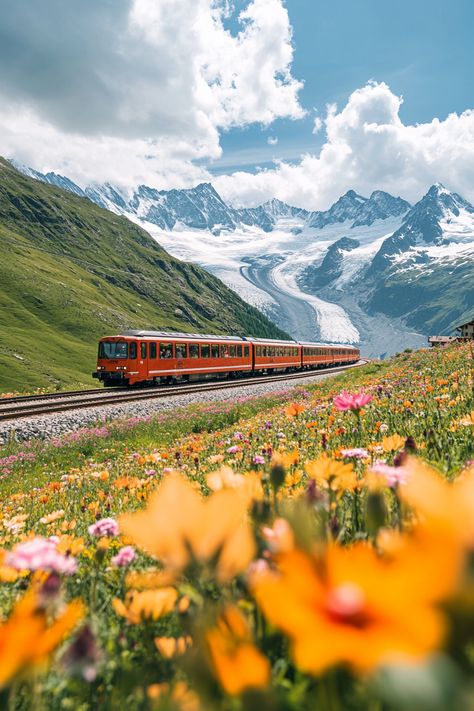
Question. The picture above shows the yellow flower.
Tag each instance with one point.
(224, 478)
(179, 526)
(151, 578)
(237, 663)
(332, 474)
(285, 459)
(393, 443)
(52, 517)
(27, 639)
(351, 607)
(445, 508)
(468, 421)
(149, 604)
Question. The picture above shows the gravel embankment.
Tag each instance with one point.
(56, 424)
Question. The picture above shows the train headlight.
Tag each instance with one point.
(120, 367)
(101, 367)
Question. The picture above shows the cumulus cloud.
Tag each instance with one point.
(367, 146)
(272, 140)
(137, 89)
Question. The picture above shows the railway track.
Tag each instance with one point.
(36, 405)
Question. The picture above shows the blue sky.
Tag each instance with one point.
(170, 93)
(423, 49)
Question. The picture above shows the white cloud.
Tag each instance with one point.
(318, 124)
(272, 140)
(135, 90)
(367, 147)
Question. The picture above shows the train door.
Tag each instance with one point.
(142, 360)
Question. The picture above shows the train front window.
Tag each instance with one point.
(113, 349)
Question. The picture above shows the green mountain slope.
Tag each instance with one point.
(71, 272)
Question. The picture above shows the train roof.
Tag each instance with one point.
(326, 345)
(271, 341)
(184, 336)
(142, 333)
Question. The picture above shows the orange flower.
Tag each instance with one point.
(180, 526)
(351, 607)
(182, 698)
(26, 640)
(149, 604)
(237, 663)
(293, 410)
(170, 647)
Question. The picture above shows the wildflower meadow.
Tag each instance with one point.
(310, 550)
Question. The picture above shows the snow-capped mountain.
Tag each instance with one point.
(374, 271)
(360, 210)
(422, 273)
(202, 207)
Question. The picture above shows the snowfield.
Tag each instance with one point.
(263, 268)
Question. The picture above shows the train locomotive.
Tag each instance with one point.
(155, 357)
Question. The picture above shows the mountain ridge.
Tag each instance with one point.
(201, 207)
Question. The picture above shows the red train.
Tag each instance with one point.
(153, 357)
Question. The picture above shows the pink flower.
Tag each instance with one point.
(41, 554)
(355, 453)
(279, 538)
(233, 450)
(104, 527)
(258, 459)
(150, 472)
(124, 557)
(347, 401)
(394, 476)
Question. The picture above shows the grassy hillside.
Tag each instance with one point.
(71, 272)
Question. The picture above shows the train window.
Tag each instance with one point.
(258, 350)
(193, 350)
(231, 351)
(152, 350)
(215, 351)
(113, 349)
(246, 351)
(205, 351)
(142, 350)
(181, 350)
(166, 350)
(239, 351)
(133, 349)
(224, 352)
(264, 351)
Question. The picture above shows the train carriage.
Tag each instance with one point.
(322, 355)
(271, 355)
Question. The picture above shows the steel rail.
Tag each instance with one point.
(77, 400)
